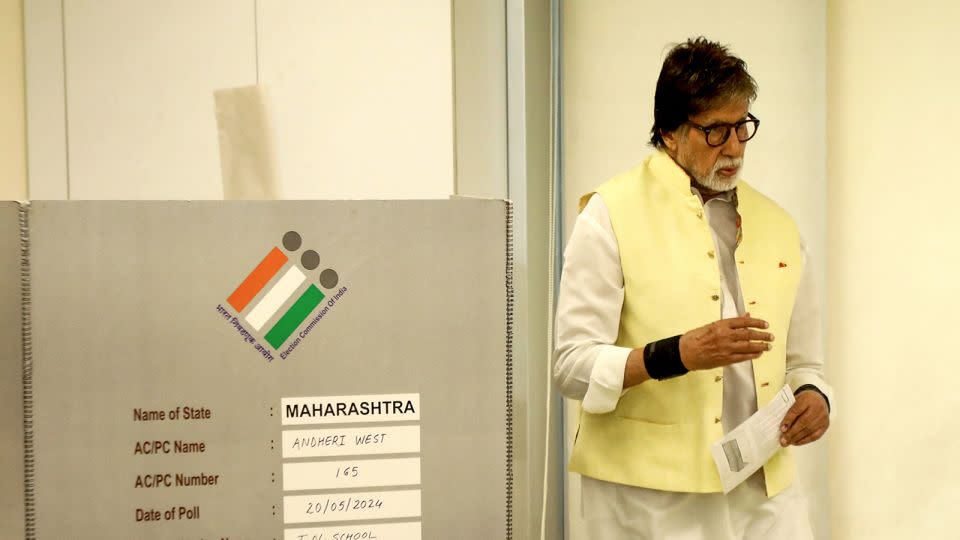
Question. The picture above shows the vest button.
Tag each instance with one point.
(718, 378)
(716, 420)
(711, 254)
(715, 297)
(699, 214)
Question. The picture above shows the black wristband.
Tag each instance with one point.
(815, 389)
(662, 359)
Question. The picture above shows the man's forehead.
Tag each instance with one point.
(728, 112)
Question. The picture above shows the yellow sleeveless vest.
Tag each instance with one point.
(659, 435)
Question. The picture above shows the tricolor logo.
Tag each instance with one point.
(279, 295)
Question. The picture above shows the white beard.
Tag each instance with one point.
(714, 181)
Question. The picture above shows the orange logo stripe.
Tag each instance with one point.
(257, 279)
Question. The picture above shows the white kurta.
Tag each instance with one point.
(590, 368)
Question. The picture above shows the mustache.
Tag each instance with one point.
(727, 163)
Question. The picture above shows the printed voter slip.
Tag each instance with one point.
(751, 444)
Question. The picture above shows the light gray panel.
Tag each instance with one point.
(45, 99)
(11, 371)
(125, 316)
(480, 97)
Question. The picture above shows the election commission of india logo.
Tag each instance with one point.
(283, 298)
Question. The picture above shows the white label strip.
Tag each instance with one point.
(351, 441)
(275, 297)
(351, 473)
(350, 409)
(380, 531)
(351, 506)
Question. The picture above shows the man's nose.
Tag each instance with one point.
(733, 147)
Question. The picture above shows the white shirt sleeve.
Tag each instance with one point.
(805, 338)
(587, 364)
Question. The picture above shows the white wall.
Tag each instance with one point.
(363, 96)
(892, 268)
(139, 81)
(121, 95)
(13, 153)
(613, 52)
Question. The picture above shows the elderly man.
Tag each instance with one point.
(686, 303)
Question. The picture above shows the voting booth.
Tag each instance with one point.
(263, 370)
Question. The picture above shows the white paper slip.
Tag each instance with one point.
(751, 444)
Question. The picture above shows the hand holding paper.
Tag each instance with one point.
(751, 444)
(806, 421)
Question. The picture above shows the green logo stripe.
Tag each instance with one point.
(297, 313)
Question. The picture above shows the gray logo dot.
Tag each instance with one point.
(292, 241)
(310, 259)
(329, 278)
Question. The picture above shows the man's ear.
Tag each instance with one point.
(670, 139)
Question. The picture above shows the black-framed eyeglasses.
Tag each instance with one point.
(717, 134)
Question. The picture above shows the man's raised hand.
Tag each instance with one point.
(724, 342)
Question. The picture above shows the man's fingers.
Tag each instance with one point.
(746, 334)
(760, 336)
(747, 322)
(807, 424)
(749, 347)
(740, 334)
(815, 436)
(791, 416)
(800, 430)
